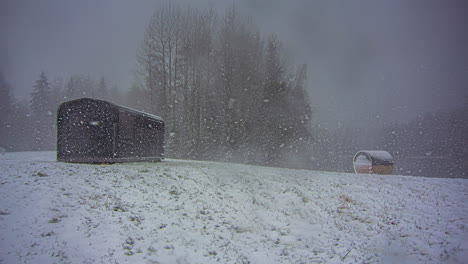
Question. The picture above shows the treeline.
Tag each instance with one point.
(31, 125)
(228, 93)
(225, 92)
(434, 144)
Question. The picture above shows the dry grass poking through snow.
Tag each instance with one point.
(201, 212)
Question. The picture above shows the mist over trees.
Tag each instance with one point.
(228, 92)
(225, 92)
(31, 125)
(42, 113)
(6, 106)
(433, 144)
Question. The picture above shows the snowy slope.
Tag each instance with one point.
(203, 212)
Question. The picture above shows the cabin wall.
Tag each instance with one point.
(95, 131)
(139, 136)
(85, 132)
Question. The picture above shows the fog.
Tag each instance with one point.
(370, 63)
(392, 59)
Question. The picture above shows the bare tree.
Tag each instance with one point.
(223, 94)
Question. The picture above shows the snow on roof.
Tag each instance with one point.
(139, 112)
(377, 154)
(127, 109)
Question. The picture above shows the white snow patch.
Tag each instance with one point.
(205, 212)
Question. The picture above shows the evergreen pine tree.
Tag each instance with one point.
(42, 114)
(274, 105)
(103, 92)
(5, 112)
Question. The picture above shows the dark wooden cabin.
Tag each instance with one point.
(96, 131)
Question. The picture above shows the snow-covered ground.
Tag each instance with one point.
(205, 212)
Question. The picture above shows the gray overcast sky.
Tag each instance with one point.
(368, 59)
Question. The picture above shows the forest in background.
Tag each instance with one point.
(228, 92)
(432, 144)
(225, 92)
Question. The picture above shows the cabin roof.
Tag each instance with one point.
(140, 113)
(376, 155)
(126, 109)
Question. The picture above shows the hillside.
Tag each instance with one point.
(204, 212)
